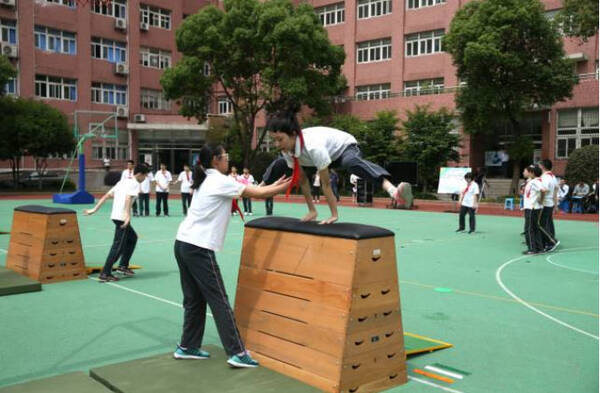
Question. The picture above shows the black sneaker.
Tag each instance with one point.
(107, 278)
(528, 252)
(459, 230)
(125, 271)
(471, 231)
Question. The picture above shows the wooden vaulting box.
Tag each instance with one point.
(320, 303)
(45, 244)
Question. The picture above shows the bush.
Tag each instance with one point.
(583, 165)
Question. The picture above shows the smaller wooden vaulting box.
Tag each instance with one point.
(45, 244)
(320, 303)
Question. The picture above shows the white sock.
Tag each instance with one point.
(391, 190)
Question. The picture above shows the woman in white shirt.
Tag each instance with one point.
(200, 234)
(186, 179)
(163, 179)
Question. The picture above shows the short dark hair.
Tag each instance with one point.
(130, 162)
(140, 168)
(546, 163)
(283, 121)
(469, 176)
(537, 171)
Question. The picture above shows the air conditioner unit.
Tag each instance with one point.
(10, 50)
(144, 26)
(122, 111)
(139, 118)
(121, 68)
(8, 3)
(121, 24)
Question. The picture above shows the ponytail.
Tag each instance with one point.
(207, 153)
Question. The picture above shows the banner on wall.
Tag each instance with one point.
(452, 180)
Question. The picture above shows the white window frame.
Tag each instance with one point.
(333, 14)
(103, 92)
(154, 100)
(11, 88)
(424, 87)
(55, 88)
(102, 46)
(155, 17)
(416, 4)
(574, 136)
(155, 58)
(373, 92)
(423, 43)
(55, 41)
(66, 3)
(224, 107)
(8, 27)
(115, 9)
(374, 51)
(367, 9)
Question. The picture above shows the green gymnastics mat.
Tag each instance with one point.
(12, 283)
(162, 373)
(77, 382)
(415, 344)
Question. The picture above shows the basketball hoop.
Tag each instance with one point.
(84, 2)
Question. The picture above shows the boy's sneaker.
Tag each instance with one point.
(403, 195)
(125, 271)
(190, 353)
(244, 361)
(107, 278)
(471, 231)
(460, 230)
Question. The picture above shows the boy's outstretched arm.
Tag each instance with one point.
(89, 212)
(328, 192)
(305, 187)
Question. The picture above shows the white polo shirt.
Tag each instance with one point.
(162, 181)
(322, 146)
(469, 194)
(145, 185)
(186, 181)
(550, 183)
(531, 194)
(210, 211)
(127, 174)
(124, 188)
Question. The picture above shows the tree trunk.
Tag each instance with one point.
(14, 171)
(424, 185)
(514, 185)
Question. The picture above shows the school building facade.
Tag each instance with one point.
(104, 63)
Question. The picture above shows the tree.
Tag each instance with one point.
(583, 165)
(7, 71)
(31, 127)
(512, 60)
(579, 18)
(259, 55)
(429, 142)
(378, 141)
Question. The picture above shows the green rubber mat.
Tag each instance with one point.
(162, 373)
(12, 283)
(77, 382)
(415, 344)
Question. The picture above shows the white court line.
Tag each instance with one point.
(529, 306)
(141, 241)
(435, 385)
(4, 251)
(548, 259)
(447, 373)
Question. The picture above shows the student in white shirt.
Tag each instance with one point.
(246, 179)
(186, 179)
(532, 204)
(163, 179)
(144, 196)
(354, 181)
(563, 195)
(469, 201)
(128, 174)
(125, 239)
(316, 187)
(200, 234)
(550, 204)
(320, 148)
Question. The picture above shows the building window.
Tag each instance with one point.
(576, 128)
(372, 51)
(106, 93)
(372, 8)
(111, 150)
(413, 4)
(9, 31)
(52, 40)
(68, 3)
(55, 87)
(424, 43)
(225, 106)
(113, 51)
(155, 58)
(154, 99)
(116, 8)
(425, 86)
(332, 14)
(156, 17)
(10, 88)
(373, 92)
(206, 69)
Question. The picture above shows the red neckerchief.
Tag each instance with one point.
(235, 208)
(296, 172)
(467, 189)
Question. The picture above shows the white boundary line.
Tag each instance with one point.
(445, 372)
(4, 251)
(529, 306)
(549, 260)
(435, 385)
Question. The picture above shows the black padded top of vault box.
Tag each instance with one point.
(344, 230)
(44, 209)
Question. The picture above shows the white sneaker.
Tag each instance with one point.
(403, 195)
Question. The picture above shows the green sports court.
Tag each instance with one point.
(518, 324)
